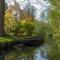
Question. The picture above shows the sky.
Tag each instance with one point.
(40, 5)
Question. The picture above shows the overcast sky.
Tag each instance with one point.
(40, 5)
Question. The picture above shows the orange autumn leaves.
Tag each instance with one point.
(20, 26)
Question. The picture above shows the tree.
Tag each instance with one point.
(54, 25)
(30, 10)
(2, 9)
(9, 21)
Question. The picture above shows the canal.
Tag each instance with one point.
(27, 53)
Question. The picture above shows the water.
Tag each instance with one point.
(26, 53)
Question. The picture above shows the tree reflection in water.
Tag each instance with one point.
(25, 53)
(41, 53)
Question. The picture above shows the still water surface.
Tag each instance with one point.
(27, 53)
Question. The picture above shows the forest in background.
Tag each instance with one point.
(22, 22)
(28, 26)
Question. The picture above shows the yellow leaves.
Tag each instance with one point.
(9, 22)
(20, 26)
(23, 21)
(8, 13)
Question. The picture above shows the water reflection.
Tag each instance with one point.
(41, 53)
(26, 53)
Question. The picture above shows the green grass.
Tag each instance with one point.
(12, 38)
(5, 39)
(9, 39)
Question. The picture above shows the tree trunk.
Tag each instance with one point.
(2, 9)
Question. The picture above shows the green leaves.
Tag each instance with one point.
(54, 26)
(29, 28)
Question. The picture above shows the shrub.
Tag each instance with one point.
(29, 28)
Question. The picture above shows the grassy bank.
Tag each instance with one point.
(5, 39)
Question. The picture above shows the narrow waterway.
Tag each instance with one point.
(26, 53)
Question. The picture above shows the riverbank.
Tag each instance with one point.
(10, 43)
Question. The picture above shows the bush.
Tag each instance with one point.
(29, 28)
(24, 29)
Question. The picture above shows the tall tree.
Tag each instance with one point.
(2, 9)
(30, 10)
(54, 23)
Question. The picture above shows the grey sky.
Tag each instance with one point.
(40, 5)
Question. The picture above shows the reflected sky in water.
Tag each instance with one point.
(38, 56)
(26, 53)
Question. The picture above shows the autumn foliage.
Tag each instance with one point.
(21, 26)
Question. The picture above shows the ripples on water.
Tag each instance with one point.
(26, 53)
